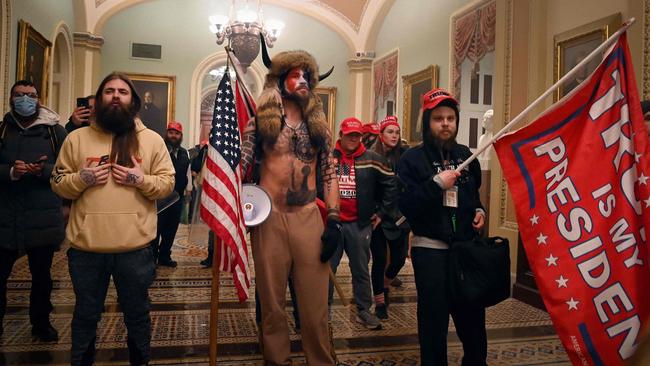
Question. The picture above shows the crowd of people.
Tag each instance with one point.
(96, 183)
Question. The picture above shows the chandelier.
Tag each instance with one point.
(243, 28)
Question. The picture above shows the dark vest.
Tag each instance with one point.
(181, 163)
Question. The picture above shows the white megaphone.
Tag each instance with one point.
(255, 203)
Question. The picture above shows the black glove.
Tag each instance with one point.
(331, 239)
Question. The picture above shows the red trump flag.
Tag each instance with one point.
(579, 178)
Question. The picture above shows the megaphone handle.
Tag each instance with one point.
(338, 288)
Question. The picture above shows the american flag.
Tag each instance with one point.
(222, 184)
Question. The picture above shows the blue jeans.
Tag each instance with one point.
(133, 273)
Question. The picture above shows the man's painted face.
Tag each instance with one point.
(296, 82)
(148, 98)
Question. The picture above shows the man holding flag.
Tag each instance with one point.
(579, 178)
(441, 206)
(291, 140)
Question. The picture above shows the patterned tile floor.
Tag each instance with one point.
(518, 334)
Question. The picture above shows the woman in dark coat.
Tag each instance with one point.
(388, 236)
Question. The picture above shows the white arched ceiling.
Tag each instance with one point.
(359, 40)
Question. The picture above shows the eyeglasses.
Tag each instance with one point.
(19, 94)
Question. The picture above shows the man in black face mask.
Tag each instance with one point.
(30, 213)
(169, 219)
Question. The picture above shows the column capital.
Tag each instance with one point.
(89, 40)
(360, 64)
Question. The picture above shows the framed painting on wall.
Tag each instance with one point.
(328, 97)
(384, 86)
(33, 58)
(415, 86)
(157, 93)
(574, 45)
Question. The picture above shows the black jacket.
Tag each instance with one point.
(30, 213)
(392, 231)
(376, 186)
(181, 162)
(421, 198)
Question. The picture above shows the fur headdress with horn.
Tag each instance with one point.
(269, 106)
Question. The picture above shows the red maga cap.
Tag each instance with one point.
(388, 121)
(351, 125)
(175, 126)
(371, 128)
(431, 99)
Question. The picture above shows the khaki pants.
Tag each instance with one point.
(289, 244)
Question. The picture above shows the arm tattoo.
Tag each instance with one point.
(88, 177)
(132, 178)
(327, 163)
(248, 145)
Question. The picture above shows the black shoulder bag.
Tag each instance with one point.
(479, 271)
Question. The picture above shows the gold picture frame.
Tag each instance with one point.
(33, 58)
(416, 85)
(573, 45)
(157, 114)
(328, 96)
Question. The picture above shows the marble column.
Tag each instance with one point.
(87, 54)
(360, 88)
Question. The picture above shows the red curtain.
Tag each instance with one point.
(474, 35)
(385, 83)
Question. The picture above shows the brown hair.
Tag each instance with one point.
(126, 144)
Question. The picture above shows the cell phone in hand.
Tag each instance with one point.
(103, 160)
(82, 102)
(41, 160)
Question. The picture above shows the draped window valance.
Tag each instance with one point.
(473, 38)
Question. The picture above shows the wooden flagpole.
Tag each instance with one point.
(614, 37)
(338, 288)
(214, 301)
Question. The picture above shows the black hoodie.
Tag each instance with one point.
(421, 199)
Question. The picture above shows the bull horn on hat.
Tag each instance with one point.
(325, 75)
(265, 53)
(267, 60)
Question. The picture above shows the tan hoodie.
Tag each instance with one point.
(112, 218)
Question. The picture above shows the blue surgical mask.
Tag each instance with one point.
(25, 106)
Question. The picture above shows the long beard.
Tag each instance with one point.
(116, 119)
(173, 142)
(444, 145)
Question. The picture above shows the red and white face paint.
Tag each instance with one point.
(295, 83)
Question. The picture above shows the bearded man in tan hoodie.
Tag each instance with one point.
(113, 172)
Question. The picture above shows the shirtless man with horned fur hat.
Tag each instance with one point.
(291, 139)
